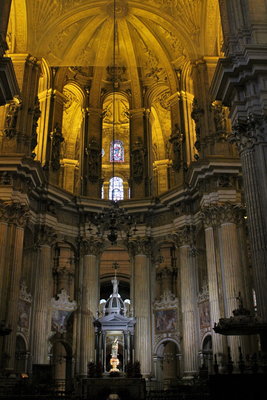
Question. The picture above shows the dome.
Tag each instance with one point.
(114, 304)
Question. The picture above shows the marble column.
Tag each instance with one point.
(188, 286)
(219, 344)
(141, 250)
(43, 292)
(91, 249)
(16, 215)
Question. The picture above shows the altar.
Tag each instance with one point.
(114, 334)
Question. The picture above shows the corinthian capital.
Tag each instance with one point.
(247, 132)
(185, 236)
(140, 246)
(92, 246)
(217, 214)
(46, 235)
(14, 213)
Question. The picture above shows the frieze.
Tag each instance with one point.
(14, 213)
(218, 213)
(248, 132)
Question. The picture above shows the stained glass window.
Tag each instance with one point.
(116, 151)
(116, 188)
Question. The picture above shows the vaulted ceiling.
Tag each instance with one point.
(155, 35)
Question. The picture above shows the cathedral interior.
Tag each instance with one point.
(133, 190)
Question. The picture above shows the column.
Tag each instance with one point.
(141, 250)
(89, 301)
(188, 286)
(219, 345)
(4, 12)
(43, 292)
(232, 273)
(64, 268)
(16, 215)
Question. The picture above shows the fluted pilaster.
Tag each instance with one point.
(42, 295)
(13, 218)
(188, 288)
(141, 250)
(91, 249)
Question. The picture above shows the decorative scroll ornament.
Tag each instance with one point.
(14, 213)
(93, 152)
(10, 129)
(247, 132)
(62, 308)
(197, 114)
(138, 152)
(176, 140)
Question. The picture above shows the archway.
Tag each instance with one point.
(21, 355)
(167, 359)
(61, 361)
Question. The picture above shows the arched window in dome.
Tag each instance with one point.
(116, 188)
(116, 151)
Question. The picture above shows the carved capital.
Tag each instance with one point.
(247, 132)
(92, 246)
(217, 214)
(46, 235)
(185, 236)
(140, 246)
(14, 213)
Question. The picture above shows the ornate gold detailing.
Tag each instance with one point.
(46, 235)
(247, 132)
(121, 8)
(92, 246)
(14, 213)
(219, 213)
(140, 246)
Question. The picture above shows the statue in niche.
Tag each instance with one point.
(36, 115)
(114, 361)
(196, 114)
(138, 160)
(94, 157)
(176, 141)
(56, 139)
(114, 348)
(12, 117)
(219, 113)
